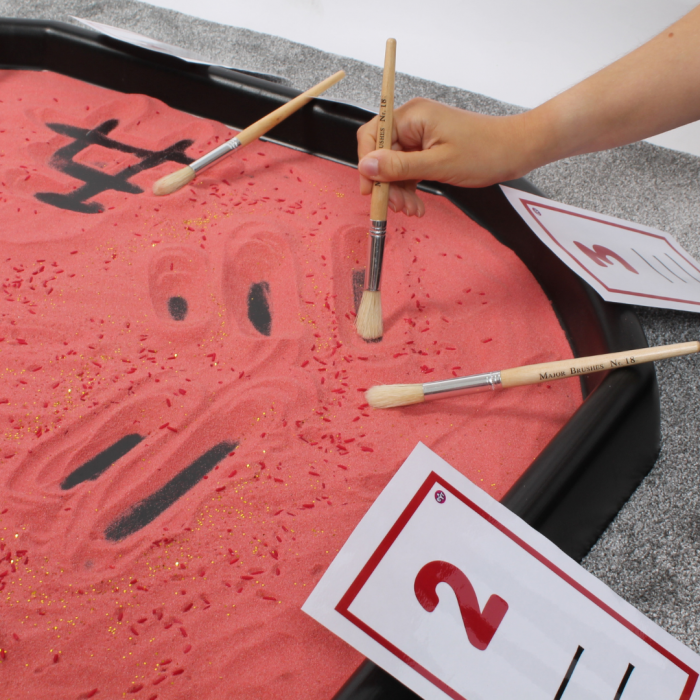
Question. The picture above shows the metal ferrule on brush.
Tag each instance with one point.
(214, 155)
(377, 236)
(463, 385)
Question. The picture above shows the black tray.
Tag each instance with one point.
(582, 478)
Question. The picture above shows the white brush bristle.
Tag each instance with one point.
(369, 321)
(393, 395)
(173, 182)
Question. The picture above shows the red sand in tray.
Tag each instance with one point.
(185, 440)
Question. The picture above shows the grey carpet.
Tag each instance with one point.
(649, 555)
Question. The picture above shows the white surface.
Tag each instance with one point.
(154, 45)
(143, 41)
(624, 262)
(514, 51)
(554, 606)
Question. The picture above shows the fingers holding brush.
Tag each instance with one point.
(432, 141)
(402, 193)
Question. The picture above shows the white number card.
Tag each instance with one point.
(458, 598)
(624, 262)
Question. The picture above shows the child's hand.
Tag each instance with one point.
(649, 91)
(431, 141)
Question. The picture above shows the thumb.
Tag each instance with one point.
(393, 166)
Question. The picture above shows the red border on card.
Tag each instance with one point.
(527, 204)
(431, 482)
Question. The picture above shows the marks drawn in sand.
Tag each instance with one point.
(147, 510)
(259, 307)
(97, 181)
(100, 463)
(255, 256)
(178, 307)
(177, 285)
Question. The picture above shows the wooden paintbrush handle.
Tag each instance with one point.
(262, 126)
(547, 371)
(380, 191)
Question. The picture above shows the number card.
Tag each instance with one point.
(458, 598)
(624, 262)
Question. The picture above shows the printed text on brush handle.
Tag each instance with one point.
(547, 371)
(380, 191)
(382, 124)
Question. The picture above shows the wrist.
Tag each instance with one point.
(535, 141)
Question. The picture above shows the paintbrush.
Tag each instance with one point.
(369, 321)
(174, 181)
(390, 396)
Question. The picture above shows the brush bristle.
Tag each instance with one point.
(393, 395)
(173, 182)
(369, 321)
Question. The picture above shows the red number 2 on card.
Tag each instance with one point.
(479, 626)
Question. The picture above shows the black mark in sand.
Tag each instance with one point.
(259, 307)
(102, 462)
(177, 306)
(569, 673)
(147, 510)
(358, 286)
(96, 181)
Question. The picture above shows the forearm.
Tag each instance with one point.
(651, 90)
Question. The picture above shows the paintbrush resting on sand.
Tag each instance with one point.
(173, 182)
(393, 395)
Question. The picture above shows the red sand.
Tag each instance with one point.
(204, 602)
